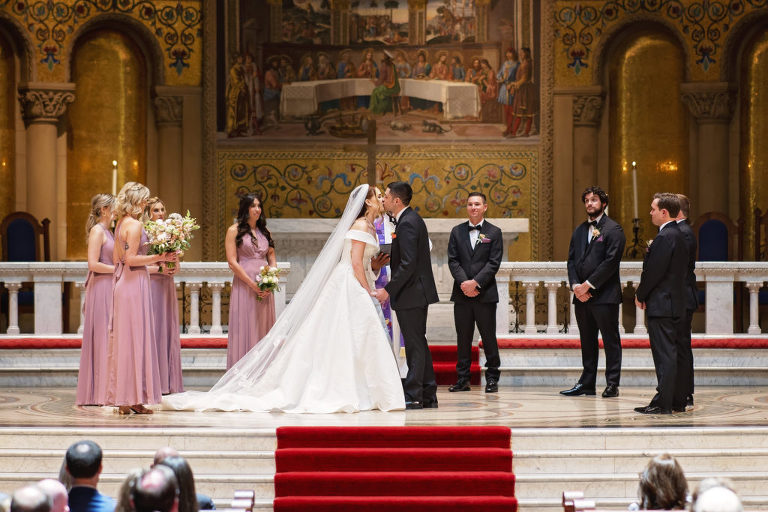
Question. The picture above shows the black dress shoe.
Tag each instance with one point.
(413, 405)
(578, 390)
(491, 386)
(689, 400)
(611, 391)
(461, 385)
(653, 409)
(679, 409)
(429, 404)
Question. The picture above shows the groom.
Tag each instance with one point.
(411, 289)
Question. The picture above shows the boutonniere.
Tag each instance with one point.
(482, 239)
(595, 232)
(394, 235)
(648, 245)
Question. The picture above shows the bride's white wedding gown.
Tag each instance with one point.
(338, 359)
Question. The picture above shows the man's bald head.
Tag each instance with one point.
(57, 492)
(30, 499)
(164, 453)
(156, 491)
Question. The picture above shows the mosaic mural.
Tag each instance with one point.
(702, 25)
(315, 184)
(177, 26)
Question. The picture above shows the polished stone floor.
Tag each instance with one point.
(513, 407)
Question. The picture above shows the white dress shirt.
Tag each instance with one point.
(474, 233)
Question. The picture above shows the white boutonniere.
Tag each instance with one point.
(482, 239)
(595, 232)
(648, 245)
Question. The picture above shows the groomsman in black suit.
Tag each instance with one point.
(411, 290)
(691, 291)
(593, 273)
(475, 249)
(661, 294)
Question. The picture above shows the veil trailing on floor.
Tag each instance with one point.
(247, 372)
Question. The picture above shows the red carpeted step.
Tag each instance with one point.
(386, 483)
(445, 373)
(388, 437)
(449, 353)
(389, 459)
(395, 503)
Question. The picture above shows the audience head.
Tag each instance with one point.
(164, 452)
(31, 499)
(185, 480)
(397, 196)
(715, 495)
(156, 490)
(126, 488)
(131, 200)
(83, 460)
(56, 491)
(662, 484)
(101, 204)
(665, 207)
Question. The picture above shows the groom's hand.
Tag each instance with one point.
(379, 261)
(469, 287)
(380, 294)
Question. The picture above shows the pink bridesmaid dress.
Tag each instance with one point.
(92, 378)
(134, 376)
(249, 319)
(165, 315)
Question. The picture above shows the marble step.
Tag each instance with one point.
(750, 503)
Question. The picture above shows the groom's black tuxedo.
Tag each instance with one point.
(412, 289)
(480, 263)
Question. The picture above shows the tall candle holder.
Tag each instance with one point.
(636, 250)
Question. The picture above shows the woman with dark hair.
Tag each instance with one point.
(249, 246)
(663, 485)
(186, 481)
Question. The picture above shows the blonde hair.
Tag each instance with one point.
(98, 202)
(129, 200)
(151, 202)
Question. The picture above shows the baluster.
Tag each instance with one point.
(502, 312)
(552, 287)
(194, 306)
(639, 317)
(754, 321)
(621, 310)
(573, 325)
(530, 307)
(216, 289)
(13, 307)
(81, 286)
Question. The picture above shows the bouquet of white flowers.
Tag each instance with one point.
(170, 235)
(268, 279)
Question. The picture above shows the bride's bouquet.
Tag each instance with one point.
(268, 279)
(170, 235)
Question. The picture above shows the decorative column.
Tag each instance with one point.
(530, 307)
(194, 306)
(483, 8)
(81, 287)
(624, 284)
(712, 105)
(340, 22)
(42, 104)
(216, 289)
(417, 21)
(640, 327)
(168, 116)
(275, 21)
(587, 111)
(13, 307)
(754, 321)
(552, 287)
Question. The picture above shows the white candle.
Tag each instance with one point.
(634, 188)
(114, 177)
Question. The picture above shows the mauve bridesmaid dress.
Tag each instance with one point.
(165, 315)
(249, 319)
(134, 376)
(92, 378)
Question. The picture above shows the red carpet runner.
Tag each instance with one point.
(444, 362)
(378, 469)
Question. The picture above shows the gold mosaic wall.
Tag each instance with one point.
(7, 131)
(316, 183)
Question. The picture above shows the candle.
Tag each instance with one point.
(114, 177)
(634, 188)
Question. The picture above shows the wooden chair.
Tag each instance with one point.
(21, 234)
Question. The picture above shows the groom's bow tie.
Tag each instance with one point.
(471, 227)
(392, 219)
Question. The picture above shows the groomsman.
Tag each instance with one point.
(475, 249)
(661, 294)
(593, 273)
(691, 292)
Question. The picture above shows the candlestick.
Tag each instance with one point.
(634, 188)
(114, 177)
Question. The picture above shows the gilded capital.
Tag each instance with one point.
(168, 109)
(708, 101)
(340, 5)
(45, 102)
(587, 109)
(417, 5)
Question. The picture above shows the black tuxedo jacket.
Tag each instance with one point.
(480, 262)
(412, 284)
(662, 283)
(691, 292)
(599, 261)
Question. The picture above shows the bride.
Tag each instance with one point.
(328, 351)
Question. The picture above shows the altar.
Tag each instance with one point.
(459, 99)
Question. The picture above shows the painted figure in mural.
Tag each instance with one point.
(387, 86)
(272, 85)
(325, 68)
(307, 69)
(473, 73)
(287, 74)
(458, 74)
(368, 68)
(487, 81)
(253, 82)
(346, 66)
(422, 68)
(441, 71)
(238, 104)
(526, 104)
(403, 69)
(506, 79)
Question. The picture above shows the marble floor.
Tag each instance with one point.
(526, 407)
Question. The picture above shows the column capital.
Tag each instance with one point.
(168, 110)
(45, 102)
(708, 101)
(587, 109)
(416, 5)
(340, 5)
(13, 287)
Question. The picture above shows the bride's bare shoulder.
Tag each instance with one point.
(360, 225)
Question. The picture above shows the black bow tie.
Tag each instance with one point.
(593, 223)
(471, 227)
(392, 219)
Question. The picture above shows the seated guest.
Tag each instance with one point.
(715, 495)
(663, 485)
(204, 502)
(83, 461)
(186, 481)
(124, 496)
(156, 490)
(57, 492)
(30, 499)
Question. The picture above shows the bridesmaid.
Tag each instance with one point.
(165, 314)
(249, 247)
(92, 379)
(134, 376)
